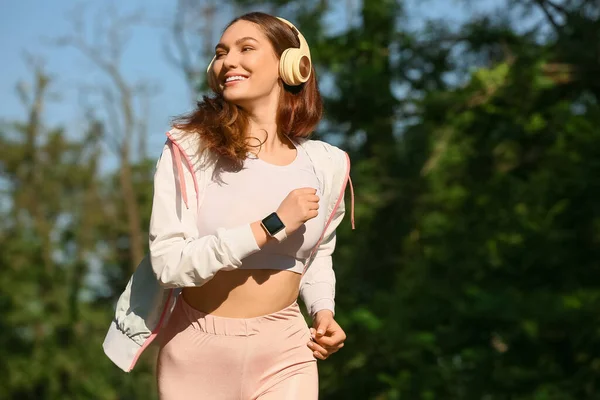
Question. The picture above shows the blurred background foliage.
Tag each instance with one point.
(474, 269)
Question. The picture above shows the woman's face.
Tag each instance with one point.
(246, 66)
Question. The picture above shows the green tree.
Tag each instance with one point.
(57, 213)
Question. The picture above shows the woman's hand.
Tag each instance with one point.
(328, 336)
(299, 206)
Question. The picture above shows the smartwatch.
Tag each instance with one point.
(274, 226)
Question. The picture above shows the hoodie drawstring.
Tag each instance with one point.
(351, 203)
(182, 186)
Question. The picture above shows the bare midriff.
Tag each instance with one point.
(245, 293)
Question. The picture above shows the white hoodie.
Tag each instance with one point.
(180, 258)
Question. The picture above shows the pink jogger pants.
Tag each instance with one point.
(203, 356)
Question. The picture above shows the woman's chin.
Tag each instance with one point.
(246, 98)
(239, 99)
(233, 95)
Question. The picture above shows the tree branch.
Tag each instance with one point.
(549, 16)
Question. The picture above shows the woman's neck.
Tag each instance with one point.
(263, 131)
(263, 125)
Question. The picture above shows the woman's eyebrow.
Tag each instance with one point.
(237, 42)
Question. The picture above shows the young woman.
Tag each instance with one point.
(243, 222)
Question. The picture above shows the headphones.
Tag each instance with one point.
(295, 64)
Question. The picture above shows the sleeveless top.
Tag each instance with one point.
(236, 197)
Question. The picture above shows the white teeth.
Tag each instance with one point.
(235, 78)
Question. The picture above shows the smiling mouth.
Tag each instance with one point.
(232, 80)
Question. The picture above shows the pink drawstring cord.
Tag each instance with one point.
(351, 203)
(182, 186)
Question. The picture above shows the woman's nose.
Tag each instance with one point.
(230, 61)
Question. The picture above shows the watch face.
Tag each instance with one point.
(273, 223)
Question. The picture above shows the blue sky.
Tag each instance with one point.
(26, 26)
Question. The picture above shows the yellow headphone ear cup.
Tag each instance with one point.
(212, 79)
(294, 67)
(295, 64)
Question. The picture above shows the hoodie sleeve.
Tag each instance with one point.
(178, 255)
(317, 287)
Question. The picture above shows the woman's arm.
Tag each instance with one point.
(178, 255)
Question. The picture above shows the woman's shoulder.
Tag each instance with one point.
(329, 160)
(190, 145)
(184, 139)
(320, 148)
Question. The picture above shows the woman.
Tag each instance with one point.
(257, 230)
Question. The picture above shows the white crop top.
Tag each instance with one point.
(233, 198)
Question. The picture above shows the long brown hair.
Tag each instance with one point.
(222, 125)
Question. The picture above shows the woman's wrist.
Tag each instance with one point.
(324, 312)
(320, 305)
(260, 234)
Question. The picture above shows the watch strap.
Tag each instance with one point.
(280, 236)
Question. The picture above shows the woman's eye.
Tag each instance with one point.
(219, 55)
(247, 48)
